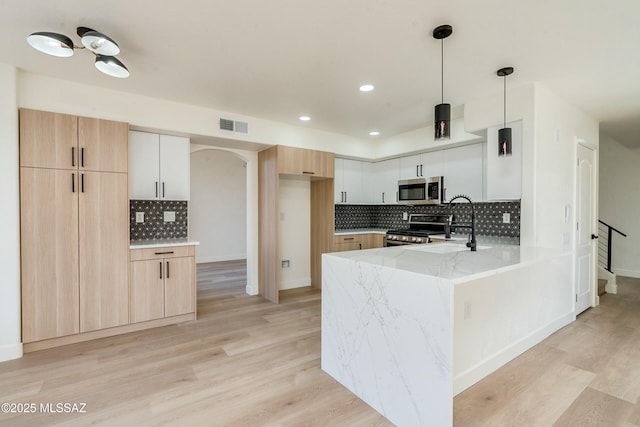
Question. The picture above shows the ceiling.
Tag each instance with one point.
(280, 59)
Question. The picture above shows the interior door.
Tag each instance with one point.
(585, 229)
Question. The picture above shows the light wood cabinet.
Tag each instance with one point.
(48, 140)
(272, 163)
(74, 225)
(103, 145)
(104, 244)
(357, 241)
(300, 161)
(159, 167)
(49, 253)
(162, 282)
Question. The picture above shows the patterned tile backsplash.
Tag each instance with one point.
(488, 216)
(154, 226)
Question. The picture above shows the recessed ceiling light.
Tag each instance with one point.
(305, 118)
(366, 88)
(374, 133)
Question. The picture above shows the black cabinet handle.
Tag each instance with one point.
(156, 188)
(348, 238)
(73, 156)
(345, 197)
(160, 269)
(417, 166)
(360, 246)
(308, 173)
(82, 156)
(163, 190)
(168, 270)
(73, 182)
(163, 253)
(383, 197)
(421, 170)
(82, 183)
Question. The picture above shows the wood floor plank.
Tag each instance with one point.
(595, 409)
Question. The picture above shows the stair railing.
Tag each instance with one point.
(605, 244)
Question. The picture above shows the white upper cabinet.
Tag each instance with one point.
(159, 167)
(463, 171)
(504, 174)
(384, 182)
(410, 167)
(351, 181)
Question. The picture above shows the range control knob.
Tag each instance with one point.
(413, 239)
(405, 238)
(419, 240)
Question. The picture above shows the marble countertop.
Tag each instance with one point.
(453, 260)
(161, 243)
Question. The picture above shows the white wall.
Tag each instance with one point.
(218, 205)
(295, 232)
(10, 329)
(620, 201)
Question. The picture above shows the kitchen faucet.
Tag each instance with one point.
(472, 237)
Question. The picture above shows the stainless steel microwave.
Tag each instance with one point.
(421, 191)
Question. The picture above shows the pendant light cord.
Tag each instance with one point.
(442, 70)
(505, 101)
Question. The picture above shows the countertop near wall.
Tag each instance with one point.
(162, 243)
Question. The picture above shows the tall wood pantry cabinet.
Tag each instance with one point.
(74, 224)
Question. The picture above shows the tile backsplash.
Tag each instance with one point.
(488, 216)
(154, 226)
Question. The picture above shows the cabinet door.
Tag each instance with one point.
(147, 290)
(410, 167)
(300, 161)
(463, 172)
(104, 250)
(48, 140)
(104, 145)
(348, 246)
(175, 160)
(144, 165)
(338, 180)
(352, 184)
(179, 286)
(49, 253)
(386, 177)
(432, 163)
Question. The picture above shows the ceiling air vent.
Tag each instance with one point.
(234, 125)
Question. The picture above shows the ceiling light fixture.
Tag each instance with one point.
(504, 134)
(305, 118)
(101, 45)
(366, 88)
(442, 110)
(374, 133)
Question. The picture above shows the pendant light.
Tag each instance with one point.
(102, 46)
(442, 110)
(504, 134)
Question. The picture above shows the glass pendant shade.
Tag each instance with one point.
(504, 142)
(442, 121)
(111, 66)
(99, 43)
(52, 44)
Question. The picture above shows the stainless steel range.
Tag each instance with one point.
(421, 228)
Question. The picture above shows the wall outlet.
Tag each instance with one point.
(170, 216)
(285, 263)
(405, 216)
(139, 217)
(506, 218)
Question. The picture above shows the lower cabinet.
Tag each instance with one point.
(354, 242)
(162, 282)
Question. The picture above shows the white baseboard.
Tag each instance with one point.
(295, 283)
(10, 352)
(466, 379)
(627, 273)
(201, 260)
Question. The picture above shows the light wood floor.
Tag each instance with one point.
(247, 362)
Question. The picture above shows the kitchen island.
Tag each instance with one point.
(407, 328)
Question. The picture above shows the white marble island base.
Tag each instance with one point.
(405, 330)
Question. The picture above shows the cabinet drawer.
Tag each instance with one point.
(347, 238)
(163, 252)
